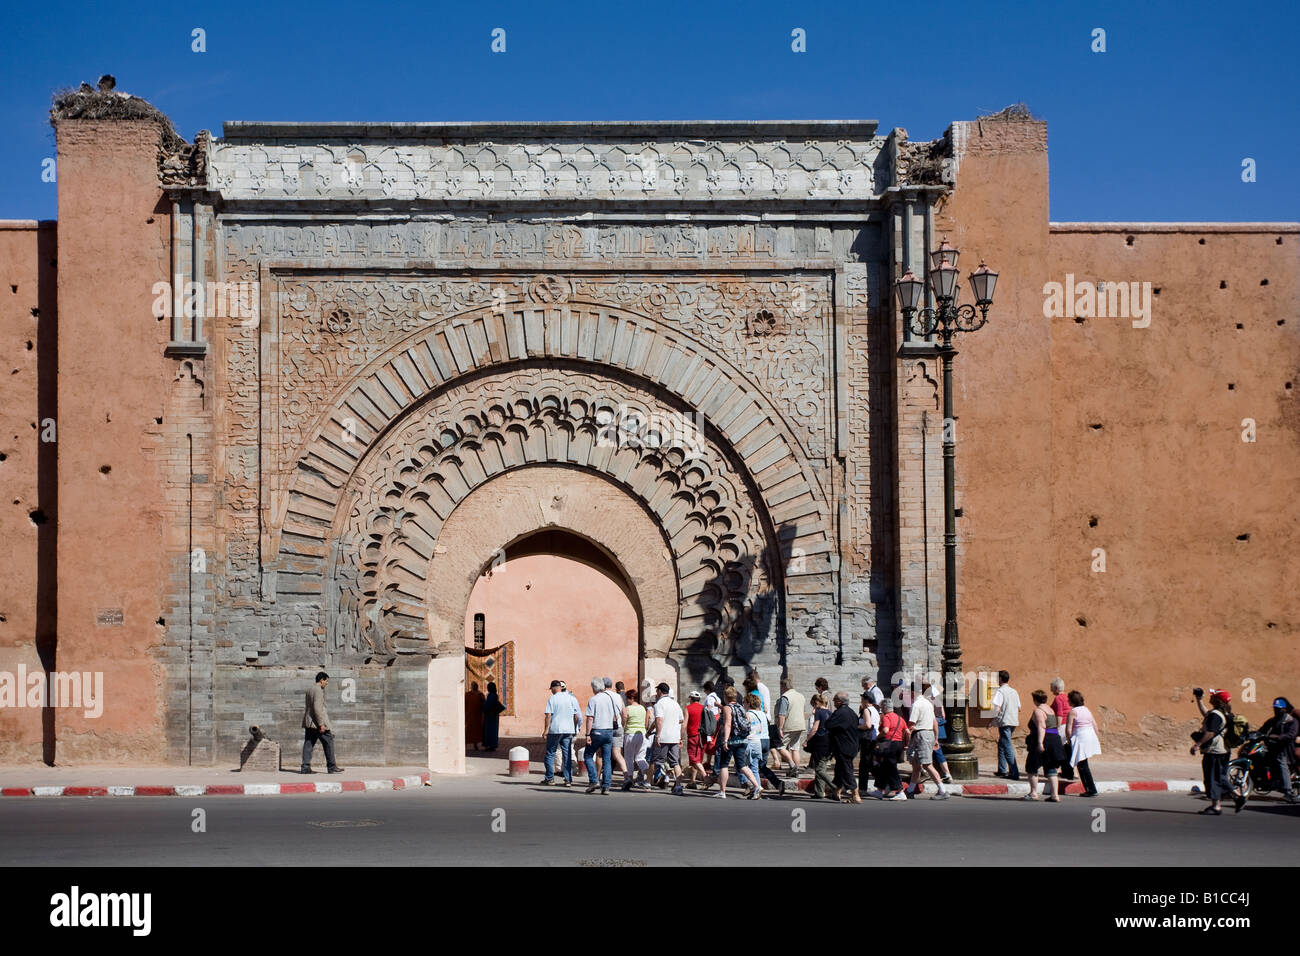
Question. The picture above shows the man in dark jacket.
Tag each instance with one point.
(843, 730)
(1279, 735)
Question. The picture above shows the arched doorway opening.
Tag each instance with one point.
(552, 605)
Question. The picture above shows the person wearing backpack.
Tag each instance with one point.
(733, 744)
(1214, 750)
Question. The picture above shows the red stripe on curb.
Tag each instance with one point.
(297, 788)
(984, 789)
(85, 791)
(353, 785)
(399, 783)
(16, 792)
(224, 789)
(155, 791)
(1073, 788)
(1148, 785)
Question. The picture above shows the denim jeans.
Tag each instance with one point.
(1007, 753)
(326, 744)
(602, 740)
(562, 742)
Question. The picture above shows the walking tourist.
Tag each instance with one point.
(873, 692)
(316, 726)
(559, 724)
(733, 743)
(868, 728)
(1043, 748)
(890, 742)
(940, 731)
(1061, 708)
(617, 743)
(602, 714)
(921, 744)
(1081, 728)
(789, 726)
(818, 746)
(1214, 759)
(634, 742)
(1006, 707)
(669, 719)
(695, 772)
(760, 743)
(842, 725)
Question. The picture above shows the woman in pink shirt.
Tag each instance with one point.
(1082, 731)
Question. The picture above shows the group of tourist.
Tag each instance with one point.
(639, 733)
(1221, 730)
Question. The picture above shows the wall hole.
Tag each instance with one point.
(1263, 282)
(162, 622)
(1096, 426)
(29, 345)
(1243, 537)
(1231, 387)
(1128, 241)
(1078, 320)
(1223, 283)
(1240, 326)
(1081, 621)
(14, 288)
(1092, 522)
(105, 469)
(36, 313)
(1200, 242)
(37, 516)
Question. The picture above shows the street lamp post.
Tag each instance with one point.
(947, 318)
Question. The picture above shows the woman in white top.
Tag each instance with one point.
(760, 742)
(1081, 728)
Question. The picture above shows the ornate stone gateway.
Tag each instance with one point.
(673, 341)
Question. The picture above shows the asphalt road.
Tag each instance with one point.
(453, 823)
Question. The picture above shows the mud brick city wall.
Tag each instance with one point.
(28, 503)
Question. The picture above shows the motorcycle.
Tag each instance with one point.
(1251, 771)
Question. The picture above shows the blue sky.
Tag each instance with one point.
(1154, 129)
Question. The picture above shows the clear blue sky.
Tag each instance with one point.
(1155, 128)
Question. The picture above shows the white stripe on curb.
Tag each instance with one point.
(329, 788)
(260, 789)
(379, 785)
(47, 791)
(121, 791)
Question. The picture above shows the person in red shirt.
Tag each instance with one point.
(1061, 708)
(695, 772)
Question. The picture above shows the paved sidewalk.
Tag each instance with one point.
(93, 781)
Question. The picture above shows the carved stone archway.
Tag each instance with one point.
(507, 508)
(385, 531)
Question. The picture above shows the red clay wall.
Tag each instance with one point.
(27, 341)
(1182, 601)
(112, 380)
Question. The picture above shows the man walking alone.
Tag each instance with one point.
(316, 726)
(1006, 703)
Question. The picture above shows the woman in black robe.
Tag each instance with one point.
(492, 708)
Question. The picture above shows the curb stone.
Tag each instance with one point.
(224, 789)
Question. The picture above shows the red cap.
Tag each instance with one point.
(1223, 695)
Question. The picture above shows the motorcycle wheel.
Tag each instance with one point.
(1238, 777)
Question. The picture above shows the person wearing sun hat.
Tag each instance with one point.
(1214, 753)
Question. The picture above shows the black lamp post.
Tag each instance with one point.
(947, 318)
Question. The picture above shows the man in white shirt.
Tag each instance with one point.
(669, 720)
(560, 723)
(920, 747)
(875, 695)
(603, 709)
(1006, 707)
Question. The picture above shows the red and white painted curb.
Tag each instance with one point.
(1021, 788)
(223, 789)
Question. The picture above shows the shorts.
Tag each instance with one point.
(695, 750)
(738, 753)
(921, 747)
(1049, 759)
(618, 740)
(791, 739)
(669, 755)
